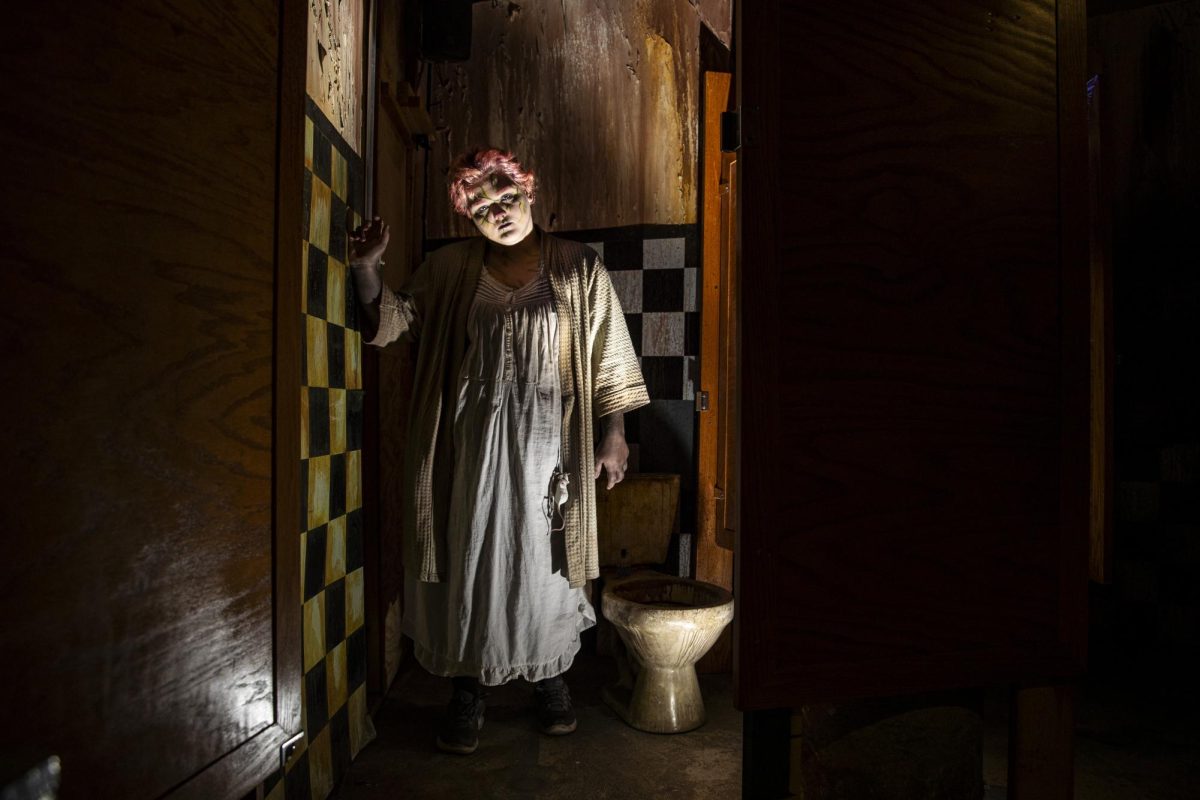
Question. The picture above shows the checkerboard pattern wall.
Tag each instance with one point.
(335, 716)
(654, 269)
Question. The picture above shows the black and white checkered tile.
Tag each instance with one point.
(654, 271)
(334, 638)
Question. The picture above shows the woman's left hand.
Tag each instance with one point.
(366, 243)
(613, 456)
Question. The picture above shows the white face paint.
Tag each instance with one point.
(500, 210)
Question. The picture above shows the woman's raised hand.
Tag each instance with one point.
(367, 242)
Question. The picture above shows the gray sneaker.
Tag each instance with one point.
(459, 728)
(556, 716)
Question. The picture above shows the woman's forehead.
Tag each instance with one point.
(491, 185)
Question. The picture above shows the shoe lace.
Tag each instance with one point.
(555, 696)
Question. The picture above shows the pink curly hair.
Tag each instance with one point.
(476, 165)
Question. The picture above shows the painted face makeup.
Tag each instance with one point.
(500, 210)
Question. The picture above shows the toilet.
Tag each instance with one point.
(665, 623)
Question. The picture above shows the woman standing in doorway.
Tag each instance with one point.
(521, 345)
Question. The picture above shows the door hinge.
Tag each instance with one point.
(731, 131)
(288, 749)
(702, 401)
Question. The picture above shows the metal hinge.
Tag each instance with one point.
(702, 401)
(288, 749)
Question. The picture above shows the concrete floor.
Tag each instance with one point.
(1131, 744)
(604, 758)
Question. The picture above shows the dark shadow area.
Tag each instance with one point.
(1131, 741)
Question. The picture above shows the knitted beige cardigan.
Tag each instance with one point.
(598, 369)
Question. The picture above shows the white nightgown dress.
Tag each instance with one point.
(504, 609)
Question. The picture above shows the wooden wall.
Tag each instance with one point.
(718, 16)
(399, 171)
(335, 61)
(601, 99)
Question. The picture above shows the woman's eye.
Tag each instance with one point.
(509, 199)
(481, 212)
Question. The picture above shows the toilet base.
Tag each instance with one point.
(661, 700)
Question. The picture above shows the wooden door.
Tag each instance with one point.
(914, 347)
(151, 267)
(716, 454)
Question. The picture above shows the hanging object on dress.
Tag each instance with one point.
(560, 483)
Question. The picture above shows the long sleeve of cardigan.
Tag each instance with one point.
(397, 318)
(401, 312)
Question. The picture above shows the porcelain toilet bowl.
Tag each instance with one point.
(666, 624)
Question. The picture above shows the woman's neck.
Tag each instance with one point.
(524, 253)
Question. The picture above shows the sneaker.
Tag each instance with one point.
(459, 729)
(556, 716)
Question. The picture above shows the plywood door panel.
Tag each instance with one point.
(914, 368)
(713, 563)
(149, 640)
(714, 543)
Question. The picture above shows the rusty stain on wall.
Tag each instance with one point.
(662, 145)
(601, 99)
(334, 81)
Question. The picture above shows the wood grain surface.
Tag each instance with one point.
(914, 386)
(398, 199)
(636, 518)
(139, 264)
(600, 99)
(714, 555)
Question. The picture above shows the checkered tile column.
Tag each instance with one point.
(333, 693)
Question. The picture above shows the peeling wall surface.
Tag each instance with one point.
(718, 16)
(600, 98)
(334, 82)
